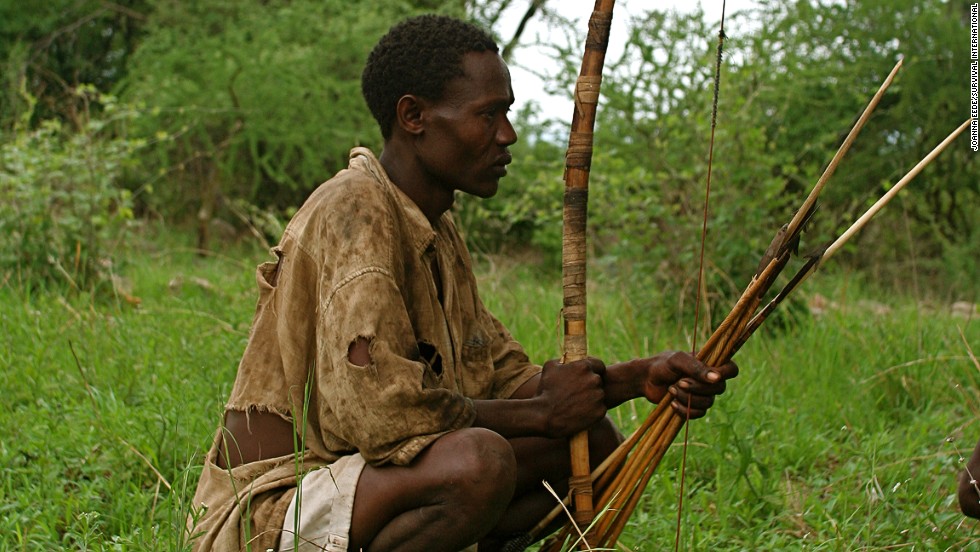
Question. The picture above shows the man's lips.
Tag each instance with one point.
(500, 165)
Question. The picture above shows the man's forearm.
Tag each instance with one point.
(558, 402)
(515, 417)
(623, 382)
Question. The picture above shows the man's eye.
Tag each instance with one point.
(495, 112)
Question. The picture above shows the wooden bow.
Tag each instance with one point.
(578, 161)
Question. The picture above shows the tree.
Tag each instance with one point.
(794, 79)
(53, 48)
(262, 97)
(814, 65)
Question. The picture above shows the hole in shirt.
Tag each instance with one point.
(430, 356)
(358, 352)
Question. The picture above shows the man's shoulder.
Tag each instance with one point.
(348, 187)
(349, 211)
(347, 197)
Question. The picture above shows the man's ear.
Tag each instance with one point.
(408, 114)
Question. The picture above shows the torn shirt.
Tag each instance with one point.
(356, 262)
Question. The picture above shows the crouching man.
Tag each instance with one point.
(378, 404)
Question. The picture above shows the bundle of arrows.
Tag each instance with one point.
(614, 488)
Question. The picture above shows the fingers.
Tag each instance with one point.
(697, 387)
(689, 413)
(689, 404)
(687, 365)
(585, 375)
(694, 393)
(573, 395)
(589, 364)
(597, 366)
(727, 371)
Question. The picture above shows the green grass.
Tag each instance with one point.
(833, 438)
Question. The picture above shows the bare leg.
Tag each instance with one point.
(453, 494)
(538, 460)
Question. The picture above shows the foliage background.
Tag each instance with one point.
(242, 108)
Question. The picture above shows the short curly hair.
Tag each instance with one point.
(418, 56)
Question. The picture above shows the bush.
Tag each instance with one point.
(61, 210)
(262, 99)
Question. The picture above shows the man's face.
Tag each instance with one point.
(467, 132)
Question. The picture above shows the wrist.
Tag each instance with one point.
(537, 412)
(624, 382)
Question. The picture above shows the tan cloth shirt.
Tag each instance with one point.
(355, 262)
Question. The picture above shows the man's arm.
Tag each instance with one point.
(565, 399)
(560, 401)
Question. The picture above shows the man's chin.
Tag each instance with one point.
(486, 190)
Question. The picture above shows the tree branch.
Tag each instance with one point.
(532, 9)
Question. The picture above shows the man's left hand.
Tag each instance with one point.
(692, 384)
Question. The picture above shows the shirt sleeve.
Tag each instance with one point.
(512, 368)
(392, 408)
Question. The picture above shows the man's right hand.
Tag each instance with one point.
(571, 395)
(557, 403)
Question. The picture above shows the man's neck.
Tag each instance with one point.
(411, 179)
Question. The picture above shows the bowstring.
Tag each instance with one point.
(704, 233)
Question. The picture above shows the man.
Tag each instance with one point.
(419, 422)
(968, 490)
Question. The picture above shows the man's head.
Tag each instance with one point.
(418, 56)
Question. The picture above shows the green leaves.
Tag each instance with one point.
(794, 78)
(61, 206)
(267, 94)
(240, 108)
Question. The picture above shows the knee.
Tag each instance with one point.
(481, 467)
(604, 437)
